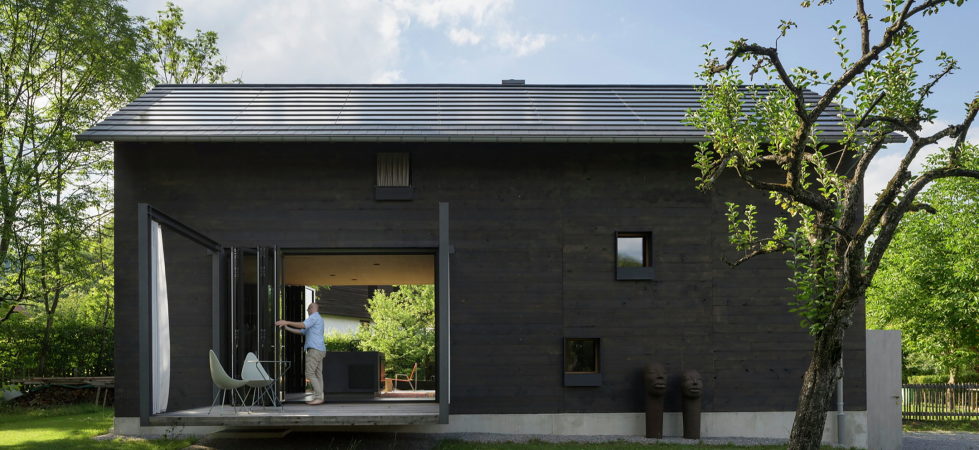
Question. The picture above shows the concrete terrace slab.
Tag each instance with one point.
(375, 413)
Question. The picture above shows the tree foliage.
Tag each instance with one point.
(402, 327)
(177, 59)
(928, 282)
(776, 146)
(65, 65)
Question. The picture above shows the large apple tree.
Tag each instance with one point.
(833, 244)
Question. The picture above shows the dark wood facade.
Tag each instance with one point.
(533, 229)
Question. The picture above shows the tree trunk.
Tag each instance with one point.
(42, 356)
(817, 388)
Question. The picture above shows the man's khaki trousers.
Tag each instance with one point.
(314, 371)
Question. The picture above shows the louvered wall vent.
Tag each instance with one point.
(393, 177)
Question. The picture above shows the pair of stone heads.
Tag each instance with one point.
(655, 377)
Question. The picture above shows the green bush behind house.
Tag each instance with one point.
(942, 379)
(78, 348)
(341, 342)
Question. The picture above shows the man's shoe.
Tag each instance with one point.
(315, 402)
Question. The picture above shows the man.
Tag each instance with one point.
(312, 329)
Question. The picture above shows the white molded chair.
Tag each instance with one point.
(256, 378)
(224, 382)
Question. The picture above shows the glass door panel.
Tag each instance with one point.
(244, 308)
(255, 307)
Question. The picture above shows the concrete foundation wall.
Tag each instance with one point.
(774, 425)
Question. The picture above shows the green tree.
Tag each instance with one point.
(402, 327)
(64, 65)
(177, 59)
(928, 282)
(833, 248)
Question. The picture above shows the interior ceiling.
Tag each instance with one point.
(346, 270)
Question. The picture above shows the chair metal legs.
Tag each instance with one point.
(222, 393)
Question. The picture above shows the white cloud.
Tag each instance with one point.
(464, 36)
(343, 41)
(522, 44)
(388, 77)
(887, 161)
(433, 13)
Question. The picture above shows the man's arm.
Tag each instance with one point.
(292, 330)
(286, 323)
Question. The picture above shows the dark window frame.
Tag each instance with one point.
(575, 379)
(643, 272)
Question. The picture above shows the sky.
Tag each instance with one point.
(549, 42)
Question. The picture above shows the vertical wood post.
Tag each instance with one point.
(442, 310)
(144, 320)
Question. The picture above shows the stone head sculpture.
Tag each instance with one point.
(693, 384)
(655, 378)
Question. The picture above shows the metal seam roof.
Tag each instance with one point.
(414, 113)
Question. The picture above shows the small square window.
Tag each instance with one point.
(634, 255)
(582, 362)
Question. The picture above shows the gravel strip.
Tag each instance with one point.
(486, 437)
(940, 440)
(413, 441)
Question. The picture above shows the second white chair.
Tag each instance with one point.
(255, 377)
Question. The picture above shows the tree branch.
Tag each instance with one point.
(862, 17)
(863, 120)
(10, 312)
(897, 124)
(915, 207)
(806, 198)
(963, 131)
(741, 48)
(758, 251)
(868, 57)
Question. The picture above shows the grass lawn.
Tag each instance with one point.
(621, 445)
(942, 425)
(67, 427)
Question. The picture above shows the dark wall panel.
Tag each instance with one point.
(533, 230)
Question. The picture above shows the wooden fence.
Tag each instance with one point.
(22, 372)
(940, 401)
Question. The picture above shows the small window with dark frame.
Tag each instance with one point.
(633, 255)
(393, 177)
(582, 362)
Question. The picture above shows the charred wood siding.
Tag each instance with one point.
(533, 228)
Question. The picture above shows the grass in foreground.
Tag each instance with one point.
(620, 445)
(67, 427)
(942, 425)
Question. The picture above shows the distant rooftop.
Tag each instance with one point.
(412, 112)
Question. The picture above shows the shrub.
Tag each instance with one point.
(942, 379)
(341, 342)
(403, 328)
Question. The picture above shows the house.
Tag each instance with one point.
(344, 308)
(559, 224)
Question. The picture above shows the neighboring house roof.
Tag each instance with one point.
(412, 112)
(349, 301)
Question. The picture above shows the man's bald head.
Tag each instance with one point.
(313, 307)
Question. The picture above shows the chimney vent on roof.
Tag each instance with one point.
(512, 82)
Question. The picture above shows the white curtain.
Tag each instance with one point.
(161, 321)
